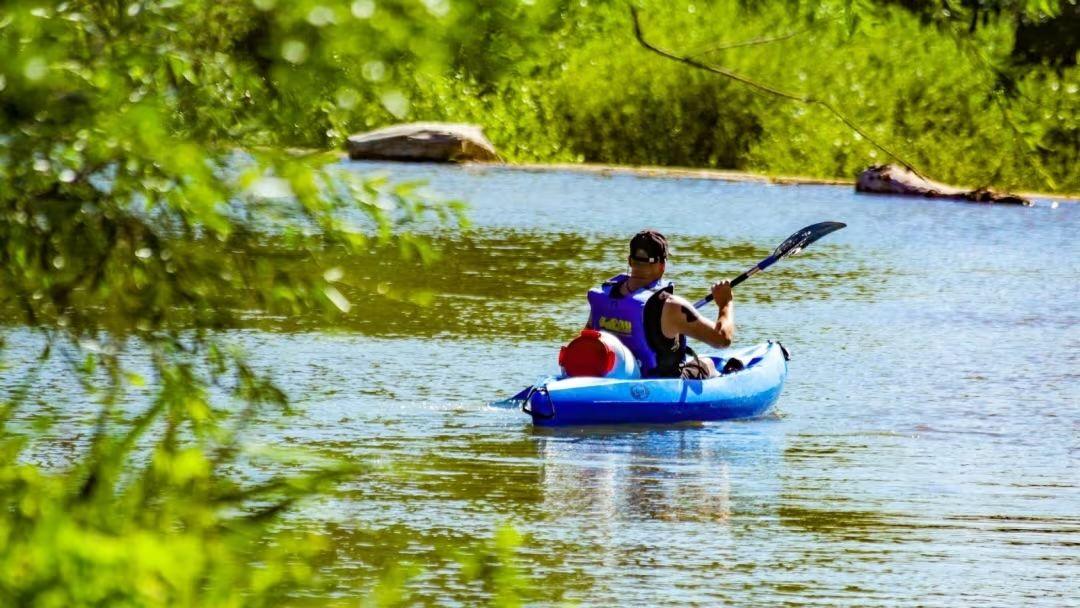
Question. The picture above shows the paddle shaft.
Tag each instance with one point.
(791, 245)
(756, 268)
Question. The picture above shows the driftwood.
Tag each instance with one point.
(891, 179)
(423, 141)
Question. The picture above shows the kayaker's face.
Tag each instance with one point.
(646, 270)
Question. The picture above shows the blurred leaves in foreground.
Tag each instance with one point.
(146, 202)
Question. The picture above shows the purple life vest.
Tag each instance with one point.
(624, 317)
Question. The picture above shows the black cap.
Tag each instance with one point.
(648, 246)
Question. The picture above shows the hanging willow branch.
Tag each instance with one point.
(764, 88)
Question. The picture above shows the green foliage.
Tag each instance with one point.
(565, 81)
(651, 110)
(932, 99)
(150, 511)
(494, 566)
(937, 104)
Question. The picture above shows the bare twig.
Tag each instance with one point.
(744, 43)
(764, 88)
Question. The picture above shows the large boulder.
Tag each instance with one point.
(890, 179)
(423, 141)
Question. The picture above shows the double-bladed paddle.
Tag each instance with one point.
(793, 245)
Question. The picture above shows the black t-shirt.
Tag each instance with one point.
(669, 351)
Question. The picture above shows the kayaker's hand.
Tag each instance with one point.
(721, 293)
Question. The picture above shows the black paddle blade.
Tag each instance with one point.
(798, 241)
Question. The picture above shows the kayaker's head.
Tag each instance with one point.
(648, 255)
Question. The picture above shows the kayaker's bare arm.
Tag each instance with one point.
(680, 317)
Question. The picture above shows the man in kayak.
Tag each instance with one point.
(642, 310)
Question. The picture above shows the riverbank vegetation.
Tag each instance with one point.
(133, 232)
(957, 95)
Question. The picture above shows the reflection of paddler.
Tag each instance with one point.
(641, 309)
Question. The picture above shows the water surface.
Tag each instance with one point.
(924, 451)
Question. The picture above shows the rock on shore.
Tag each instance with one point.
(423, 141)
(890, 179)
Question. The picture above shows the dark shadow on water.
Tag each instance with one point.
(531, 283)
(363, 555)
(611, 432)
(849, 524)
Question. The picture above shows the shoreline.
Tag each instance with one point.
(714, 174)
(659, 172)
(724, 175)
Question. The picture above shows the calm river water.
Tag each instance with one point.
(924, 452)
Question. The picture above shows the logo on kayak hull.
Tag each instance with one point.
(639, 392)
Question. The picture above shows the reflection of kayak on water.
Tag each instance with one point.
(746, 393)
(614, 474)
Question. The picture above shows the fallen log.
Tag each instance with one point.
(891, 179)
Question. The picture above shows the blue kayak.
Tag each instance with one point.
(746, 393)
